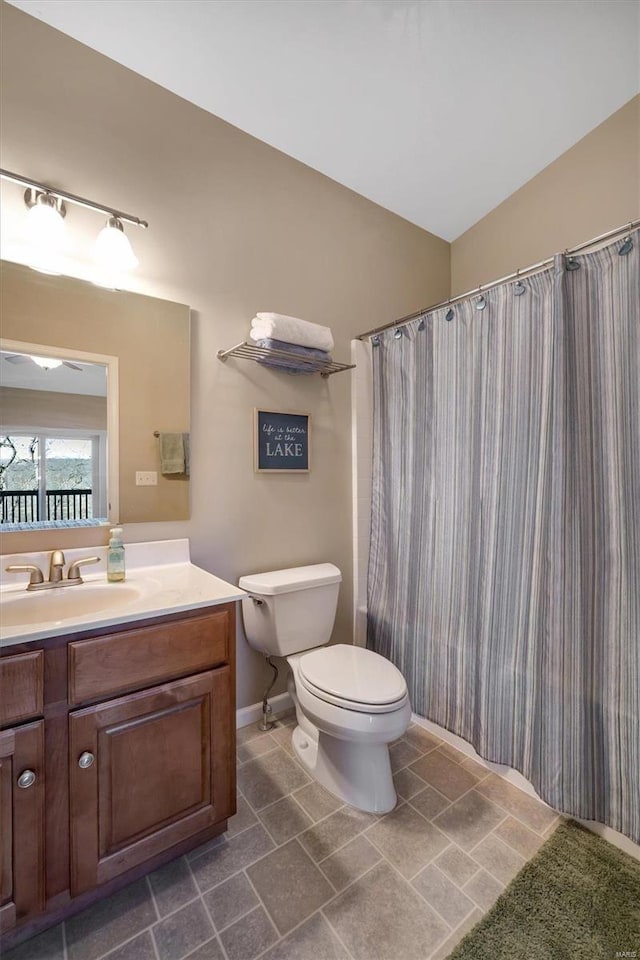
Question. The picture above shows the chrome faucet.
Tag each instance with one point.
(56, 572)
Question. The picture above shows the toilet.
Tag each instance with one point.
(350, 702)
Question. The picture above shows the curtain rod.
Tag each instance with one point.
(526, 271)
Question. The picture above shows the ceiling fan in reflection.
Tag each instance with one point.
(47, 363)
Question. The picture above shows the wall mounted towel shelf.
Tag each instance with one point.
(251, 351)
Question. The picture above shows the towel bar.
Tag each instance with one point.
(250, 351)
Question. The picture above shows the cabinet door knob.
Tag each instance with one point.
(86, 760)
(26, 779)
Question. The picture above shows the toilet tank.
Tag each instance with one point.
(291, 610)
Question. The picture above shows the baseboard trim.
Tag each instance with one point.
(253, 713)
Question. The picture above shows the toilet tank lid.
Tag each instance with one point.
(293, 578)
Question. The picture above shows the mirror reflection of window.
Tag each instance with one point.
(53, 442)
(52, 477)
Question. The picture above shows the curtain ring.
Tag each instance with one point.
(627, 247)
(519, 287)
(421, 324)
(397, 333)
(571, 262)
(375, 341)
(481, 301)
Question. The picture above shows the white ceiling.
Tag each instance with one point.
(435, 109)
(89, 380)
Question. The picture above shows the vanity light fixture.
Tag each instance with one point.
(112, 252)
(45, 229)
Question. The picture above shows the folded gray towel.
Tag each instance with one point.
(174, 453)
(316, 359)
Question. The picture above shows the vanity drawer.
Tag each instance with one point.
(134, 659)
(21, 687)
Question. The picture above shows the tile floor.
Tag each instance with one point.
(299, 876)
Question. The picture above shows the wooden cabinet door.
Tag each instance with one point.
(21, 823)
(147, 771)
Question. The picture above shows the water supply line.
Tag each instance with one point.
(267, 709)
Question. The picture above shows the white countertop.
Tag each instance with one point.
(160, 580)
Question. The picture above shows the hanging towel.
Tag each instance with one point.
(276, 326)
(318, 358)
(174, 453)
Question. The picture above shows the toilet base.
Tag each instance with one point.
(355, 772)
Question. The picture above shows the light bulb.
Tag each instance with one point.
(46, 234)
(47, 363)
(112, 252)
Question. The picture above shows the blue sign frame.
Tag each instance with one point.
(282, 442)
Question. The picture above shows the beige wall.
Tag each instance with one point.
(150, 338)
(45, 408)
(235, 227)
(592, 188)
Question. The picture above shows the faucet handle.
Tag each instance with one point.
(74, 572)
(35, 573)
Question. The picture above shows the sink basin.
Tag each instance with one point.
(66, 603)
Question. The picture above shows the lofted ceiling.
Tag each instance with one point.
(435, 109)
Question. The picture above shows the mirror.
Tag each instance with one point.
(122, 378)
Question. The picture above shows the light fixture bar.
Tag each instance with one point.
(72, 198)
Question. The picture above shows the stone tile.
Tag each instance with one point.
(447, 947)
(248, 937)
(141, 948)
(46, 946)
(447, 777)
(230, 900)
(317, 801)
(182, 932)
(478, 769)
(107, 923)
(323, 838)
(243, 817)
(313, 940)
(443, 895)
(429, 802)
(457, 865)
(284, 819)
(407, 784)
(520, 838)
(282, 736)
(255, 748)
(551, 829)
(249, 733)
(290, 885)
(401, 754)
(498, 858)
(228, 858)
(269, 778)
(484, 889)
(211, 950)
(469, 820)
(350, 862)
(172, 886)
(447, 750)
(407, 840)
(381, 916)
(533, 813)
(421, 739)
(218, 841)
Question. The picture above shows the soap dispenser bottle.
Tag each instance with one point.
(115, 557)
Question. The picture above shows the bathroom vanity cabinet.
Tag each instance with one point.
(117, 753)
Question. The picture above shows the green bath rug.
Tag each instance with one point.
(577, 899)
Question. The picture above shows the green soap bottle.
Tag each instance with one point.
(115, 557)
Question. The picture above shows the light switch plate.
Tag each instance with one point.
(146, 478)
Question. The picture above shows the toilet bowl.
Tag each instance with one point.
(350, 702)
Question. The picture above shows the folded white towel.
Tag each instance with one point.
(276, 326)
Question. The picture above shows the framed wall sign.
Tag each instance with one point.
(282, 442)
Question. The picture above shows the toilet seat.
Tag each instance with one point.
(353, 678)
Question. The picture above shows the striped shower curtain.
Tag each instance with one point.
(504, 576)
